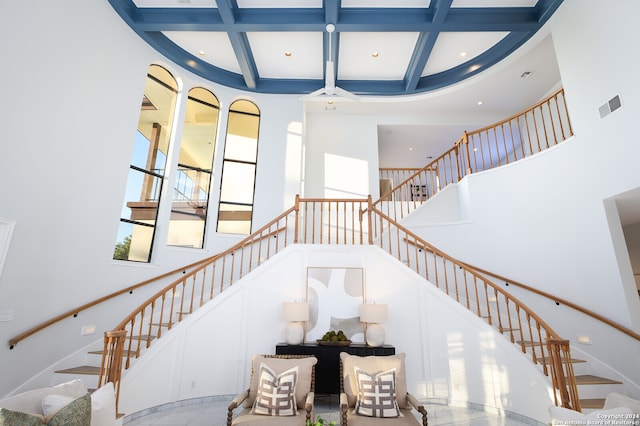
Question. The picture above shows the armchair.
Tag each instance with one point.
(374, 392)
(273, 380)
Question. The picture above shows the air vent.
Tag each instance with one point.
(613, 104)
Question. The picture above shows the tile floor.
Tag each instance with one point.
(212, 411)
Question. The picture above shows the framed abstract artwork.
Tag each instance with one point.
(334, 296)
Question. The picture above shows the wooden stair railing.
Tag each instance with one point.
(309, 221)
(74, 312)
(486, 299)
(112, 360)
(559, 301)
(538, 128)
(320, 221)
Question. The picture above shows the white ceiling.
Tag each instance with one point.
(501, 89)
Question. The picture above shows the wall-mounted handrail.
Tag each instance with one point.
(72, 313)
(560, 301)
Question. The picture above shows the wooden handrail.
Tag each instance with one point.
(560, 300)
(478, 293)
(418, 242)
(329, 221)
(487, 300)
(557, 300)
(403, 189)
(526, 133)
(74, 312)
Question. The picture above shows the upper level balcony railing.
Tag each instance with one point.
(536, 129)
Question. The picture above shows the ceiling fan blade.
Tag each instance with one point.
(346, 94)
(313, 94)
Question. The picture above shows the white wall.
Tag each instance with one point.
(451, 354)
(341, 157)
(73, 79)
(543, 221)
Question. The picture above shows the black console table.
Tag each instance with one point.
(328, 366)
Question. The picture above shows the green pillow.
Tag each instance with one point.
(76, 413)
(13, 418)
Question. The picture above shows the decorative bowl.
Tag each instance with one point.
(334, 343)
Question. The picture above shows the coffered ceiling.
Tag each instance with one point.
(364, 47)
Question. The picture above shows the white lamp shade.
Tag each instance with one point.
(295, 311)
(374, 313)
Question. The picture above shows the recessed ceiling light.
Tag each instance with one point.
(480, 103)
(463, 54)
(411, 149)
(288, 54)
(375, 54)
(330, 102)
(201, 52)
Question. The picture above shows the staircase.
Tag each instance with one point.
(360, 221)
(593, 388)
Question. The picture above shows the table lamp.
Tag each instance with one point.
(373, 314)
(295, 313)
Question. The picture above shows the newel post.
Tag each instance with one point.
(562, 375)
(465, 140)
(111, 366)
(296, 207)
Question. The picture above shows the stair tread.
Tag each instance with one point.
(143, 337)
(573, 360)
(124, 353)
(529, 343)
(589, 379)
(592, 403)
(83, 369)
(162, 324)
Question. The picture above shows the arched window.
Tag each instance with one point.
(147, 169)
(191, 190)
(235, 210)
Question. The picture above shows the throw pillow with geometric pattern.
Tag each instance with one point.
(377, 394)
(276, 394)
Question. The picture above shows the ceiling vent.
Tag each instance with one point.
(607, 108)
